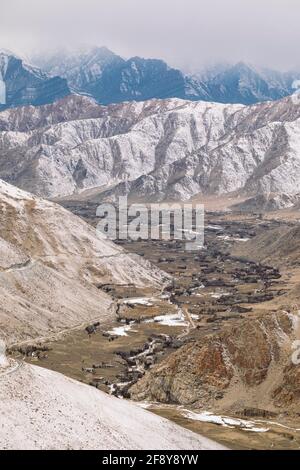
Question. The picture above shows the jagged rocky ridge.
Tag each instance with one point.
(245, 83)
(109, 78)
(157, 149)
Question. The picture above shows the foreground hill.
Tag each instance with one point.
(41, 409)
(50, 264)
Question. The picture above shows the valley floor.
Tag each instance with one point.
(212, 291)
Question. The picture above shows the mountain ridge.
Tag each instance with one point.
(137, 78)
(157, 149)
(109, 78)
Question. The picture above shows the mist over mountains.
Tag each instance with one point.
(109, 78)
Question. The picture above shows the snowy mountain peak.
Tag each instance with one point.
(157, 149)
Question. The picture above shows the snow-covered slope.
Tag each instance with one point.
(41, 409)
(124, 142)
(158, 148)
(50, 264)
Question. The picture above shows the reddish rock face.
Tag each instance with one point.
(289, 391)
(193, 372)
(252, 346)
(242, 356)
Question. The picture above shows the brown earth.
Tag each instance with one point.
(246, 364)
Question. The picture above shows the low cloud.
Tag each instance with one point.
(186, 33)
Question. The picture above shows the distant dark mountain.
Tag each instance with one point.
(22, 84)
(138, 79)
(245, 84)
(108, 78)
(82, 69)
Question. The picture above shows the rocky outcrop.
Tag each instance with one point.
(241, 366)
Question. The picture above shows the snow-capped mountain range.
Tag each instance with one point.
(109, 78)
(157, 149)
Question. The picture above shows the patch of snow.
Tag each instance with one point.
(138, 301)
(121, 330)
(275, 423)
(194, 316)
(3, 358)
(218, 295)
(215, 227)
(172, 319)
(2, 91)
(233, 239)
(208, 417)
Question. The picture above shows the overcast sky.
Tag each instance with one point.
(186, 33)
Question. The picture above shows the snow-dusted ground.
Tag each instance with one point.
(41, 409)
(121, 330)
(146, 301)
(3, 358)
(227, 422)
(172, 319)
